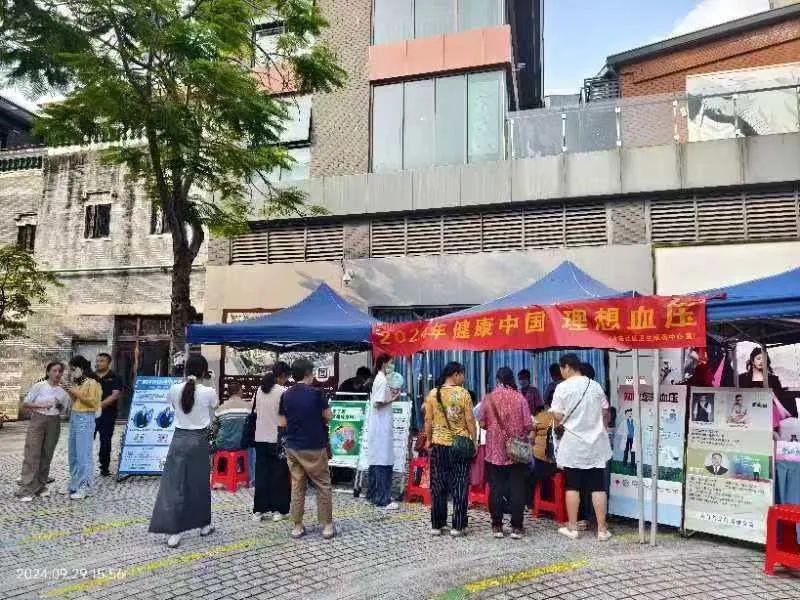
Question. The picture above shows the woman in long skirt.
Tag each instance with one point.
(184, 495)
(273, 490)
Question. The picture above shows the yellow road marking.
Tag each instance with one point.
(527, 575)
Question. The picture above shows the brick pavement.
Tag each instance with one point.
(100, 549)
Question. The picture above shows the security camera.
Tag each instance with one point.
(347, 278)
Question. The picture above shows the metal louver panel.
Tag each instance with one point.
(586, 225)
(544, 226)
(388, 237)
(249, 248)
(424, 235)
(462, 234)
(772, 216)
(287, 244)
(325, 242)
(720, 218)
(502, 231)
(672, 221)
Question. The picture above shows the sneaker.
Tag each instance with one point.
(45, 493)
(258, 516)
(277, 517)
(604, 536)
(207, 530)
(105, 473)
(391, 506)
(582, 525)
(298, 531)
(80, 495)
(19, 481)
(174, 541)
(572, 534)
(435, 532)
(517, 534)
(457, 533)
(26, 498)
(497, 531)
(328, 531)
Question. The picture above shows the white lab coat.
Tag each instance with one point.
(380, 443)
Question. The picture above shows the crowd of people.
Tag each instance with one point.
(289, 438)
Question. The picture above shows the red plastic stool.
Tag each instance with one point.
(478, 495)
(782, 521)
(556, 504)
(230, 469)
(422, 490)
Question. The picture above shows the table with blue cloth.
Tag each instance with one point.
(787, 484)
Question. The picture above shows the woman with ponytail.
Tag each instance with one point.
(448, 416)
(184, 494)
(273, 492)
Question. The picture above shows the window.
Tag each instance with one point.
(98, 221)
(443, 121)
(397, 20)
(266, 38)
(159, 224)
(297, 128)
(300, 169)
(26, 236)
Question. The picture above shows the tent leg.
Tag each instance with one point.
(766, 365)
(638, 442)
(656, 440)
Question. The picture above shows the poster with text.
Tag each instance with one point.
(729, 466)
(401, 410)
(624, 489)
(345, 432)
(150, 427)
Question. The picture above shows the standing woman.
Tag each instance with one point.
(86, 395)
(448, 415)
(273, 491)
(505, 414)
(46, 399)
(184, 494)
(380, 436)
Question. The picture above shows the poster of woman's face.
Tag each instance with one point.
(702, 408)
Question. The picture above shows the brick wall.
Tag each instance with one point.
(20, 192)
(340, 139)
(769, 45)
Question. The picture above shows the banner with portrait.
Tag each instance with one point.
(729, 462)
(345, 432)
(624, 488)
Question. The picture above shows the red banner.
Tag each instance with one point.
(618, 324)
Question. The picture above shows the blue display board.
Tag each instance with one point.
(151, 424)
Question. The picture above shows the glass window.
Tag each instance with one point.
(418, 129)
(451, 120)
(486, 109)
(387, 127)
(266, 40)
(26, 237)
(98, 221)
(434, 17)
(301, 168)
(393, 21)
(475, 14)
(297, 128)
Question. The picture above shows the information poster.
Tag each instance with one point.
(624, 490)
(150, 427)
(402, 428)
(346, 432)
(729, 482)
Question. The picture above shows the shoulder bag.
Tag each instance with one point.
(559, 429)
(463, 448)
(517, 450)
(249, 429)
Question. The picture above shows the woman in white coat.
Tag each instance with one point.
(380, 436)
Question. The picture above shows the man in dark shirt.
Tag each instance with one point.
(104, 425)
(304, 412)
(531, 393)
(358, 384)
(555, 374)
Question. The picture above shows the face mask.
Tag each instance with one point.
(524, 382)
(389, 369)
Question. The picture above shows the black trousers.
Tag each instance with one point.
(629, 450)
(272, 493)
(448, 478)
(510, 481)
(104, 427)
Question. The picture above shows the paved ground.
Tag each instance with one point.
(100, 548)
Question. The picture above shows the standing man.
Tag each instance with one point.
(104, 424)
(530, 392)
(580, 407)
(555, 375)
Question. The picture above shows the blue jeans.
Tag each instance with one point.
(81, 442)
(379, 488)
(251, 462)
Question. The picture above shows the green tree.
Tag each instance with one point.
(21, 285)
(175, 74)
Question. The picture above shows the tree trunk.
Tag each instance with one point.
(181, 305)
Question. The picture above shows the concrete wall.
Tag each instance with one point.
(20, 193)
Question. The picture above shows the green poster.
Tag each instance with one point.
(345, 430)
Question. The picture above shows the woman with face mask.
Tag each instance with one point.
(380, 436)
(45, 401)
(86, 395)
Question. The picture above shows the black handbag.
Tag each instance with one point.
(249, 429)
(463, 448)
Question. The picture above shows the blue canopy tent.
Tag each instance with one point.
(765, 310)
(323, 321)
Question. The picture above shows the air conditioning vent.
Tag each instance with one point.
(586, 225)
(249, 248)
(720, 218)
(424, 235)
(673, 221)
(544, 226)
(502, 231)
(388, 237)
(772, 216)
(287, 244)
(462, 234)
(325, 242)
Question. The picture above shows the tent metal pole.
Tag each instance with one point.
(483, 376)
(638, 442)
(735, 365)
(656, 440)
(765, 362)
